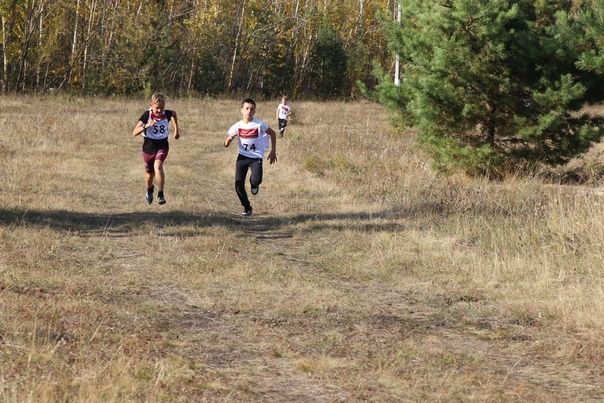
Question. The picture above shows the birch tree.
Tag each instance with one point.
(261, 47)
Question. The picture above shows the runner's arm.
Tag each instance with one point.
(175, 122)
(139, 128)
(272, 156)
(229, 138)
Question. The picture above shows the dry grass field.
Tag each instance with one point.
(362, 276)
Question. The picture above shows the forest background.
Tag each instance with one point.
(312, 48)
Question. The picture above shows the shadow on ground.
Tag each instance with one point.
(123, 224)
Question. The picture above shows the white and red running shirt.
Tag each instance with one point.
(251, 136)
(160, 128)
(283, 110)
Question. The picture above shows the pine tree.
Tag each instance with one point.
(328, 64)
(490, 83)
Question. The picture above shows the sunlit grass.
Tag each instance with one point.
(364, 275)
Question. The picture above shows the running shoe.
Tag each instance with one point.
(161, 199)
(255, 189)
(247, 212)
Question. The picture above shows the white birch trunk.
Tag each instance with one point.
(236, 47)
(4, 57)
(29, 25)
(86, 44)
(192, 70)
(361, 15)
(397, 79)
(110, 39)
(40, 38)
(74, 41)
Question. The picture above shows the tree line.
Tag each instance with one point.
(315, 48)
(494, 85)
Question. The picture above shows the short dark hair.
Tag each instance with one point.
(248, 101)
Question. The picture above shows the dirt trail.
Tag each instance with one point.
(394, 319)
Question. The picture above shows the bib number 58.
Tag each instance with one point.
(159, 129)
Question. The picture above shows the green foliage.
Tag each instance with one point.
(258, 47)
(328, 61)
(449, 154)
(315, 165)
(491, 82)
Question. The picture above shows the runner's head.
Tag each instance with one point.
(284, 99)
(158, 103)
(248, 109)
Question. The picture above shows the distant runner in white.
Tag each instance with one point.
(252, 135)
(283, 112)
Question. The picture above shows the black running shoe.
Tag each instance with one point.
(247, 212)
(149, 195)
(255, 190)
(161, 199)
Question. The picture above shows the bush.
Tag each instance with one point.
(490, 83)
